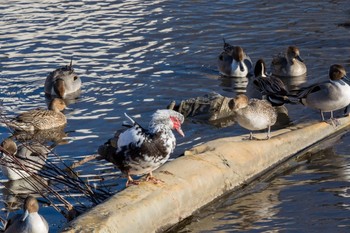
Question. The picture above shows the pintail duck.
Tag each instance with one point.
(138, 151)
(327, 96)
(40, 119)
(253, 114)
(234, 62)
(22, 161)
(62, 82)
(269, 86)
(30, 221)
(288, 64)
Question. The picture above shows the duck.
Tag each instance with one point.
(62, 82)
(138, 151)
(327, 96)
(288, 64)
(234, 62)
(30, 221)
(253, 114)
(40, 119)
(32, 156)
(269, 86)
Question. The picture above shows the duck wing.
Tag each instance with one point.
(271, 85)
(134, 135)
(36, 115)
(318, 87)
(123, 141)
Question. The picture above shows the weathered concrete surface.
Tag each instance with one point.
(203, 174)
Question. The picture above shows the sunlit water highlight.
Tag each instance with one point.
(138, 56)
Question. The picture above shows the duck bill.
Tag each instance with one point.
(241, 66)
(299, 58)
(179, 130)
(25, 215)
(59, 88)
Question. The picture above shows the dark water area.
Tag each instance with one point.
(138, 56)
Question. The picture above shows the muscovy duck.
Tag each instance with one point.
(138, 151)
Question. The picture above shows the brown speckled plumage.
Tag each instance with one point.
(41, 119)
(254, 114)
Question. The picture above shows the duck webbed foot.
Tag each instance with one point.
(333, 121)
(131, 181)
(151, 178)
(251, 137)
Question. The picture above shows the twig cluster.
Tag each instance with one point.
(55, 182)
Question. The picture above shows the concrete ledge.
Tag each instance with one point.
(192, 181)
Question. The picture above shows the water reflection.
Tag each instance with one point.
(294, 83)
(69, 99)
(237, 85)
(277, 200)
(55, 135)
(15, 191)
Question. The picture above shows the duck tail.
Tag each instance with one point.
(127, 124)
(71, 62)
(279, 100)
(292, 99)
(107, 151)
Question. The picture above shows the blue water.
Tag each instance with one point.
(138, 56)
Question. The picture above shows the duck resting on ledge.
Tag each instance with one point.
(138, 151)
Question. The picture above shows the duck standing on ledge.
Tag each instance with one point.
(328, 96)
(62, 82)
(137, 151)
(254, 114)
(234, 62)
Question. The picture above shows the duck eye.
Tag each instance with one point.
(75, 78)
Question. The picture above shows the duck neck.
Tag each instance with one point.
(54, 108)
(165, 134)
(155, 127)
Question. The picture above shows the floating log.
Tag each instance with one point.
(202, 175)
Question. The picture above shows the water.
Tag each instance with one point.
(138, 56)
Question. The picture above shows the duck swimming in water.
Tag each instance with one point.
(234, 62)
(288, 64)
(21, 161)
(62, 82)
(269, 86)
(40, 119)
(28, 222)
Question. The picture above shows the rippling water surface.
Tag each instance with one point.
(138, 56)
